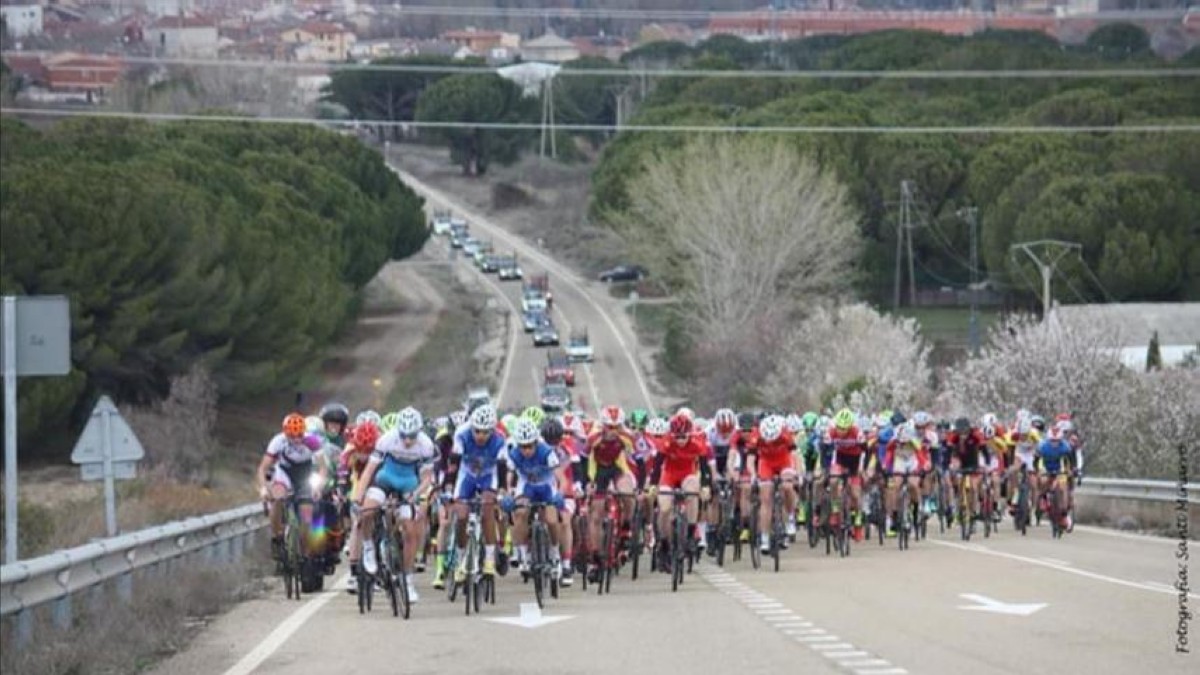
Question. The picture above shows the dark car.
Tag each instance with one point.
(532, 319)
(558, 366)
(556, 397)
(545, 334)
(490, 263)
(624, 273)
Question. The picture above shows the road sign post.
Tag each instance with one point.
(107, 449)
(36, 340)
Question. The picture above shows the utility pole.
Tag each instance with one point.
(1054, 251)
(971, 215)
(548, 118)
(904, 241)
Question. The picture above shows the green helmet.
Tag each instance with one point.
(809, 420)
(535, 414)
(508, 421)
(638, 418)
(389, 422)
(844, 419)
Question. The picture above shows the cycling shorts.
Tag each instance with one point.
(844, 465)
(673, 480)
(537, 492)
(770, 466)
(291, 475)
(392, 477)
(606, 477)
(909, 463)
(469, 484)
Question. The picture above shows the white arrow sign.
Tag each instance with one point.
(986, 604)
(531, 617)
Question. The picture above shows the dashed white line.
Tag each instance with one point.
(841, 655)
(827, 647)
(882, 671)
(819, 638)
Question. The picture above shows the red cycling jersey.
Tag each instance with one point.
(847, 442)
(679, 461)
(608, 451)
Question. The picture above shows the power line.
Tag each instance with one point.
(664, 128)
(1088, 268)
(1010, 74)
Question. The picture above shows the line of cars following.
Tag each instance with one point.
(537, 301)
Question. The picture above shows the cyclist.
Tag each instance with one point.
(677, 469)
(401, 464)
(772, 447)
(739, 468)
(335, 417)
(849, 448)
(534, 472)
(563, 444)
(722, 434)
(808, 442)
(902, 456)
(478, 448)
(288, 465)
(966, 444)
(351, 464)
(608, 449)
(1024, 441)
(447, 478)
(1054, 457)
(1064, 422)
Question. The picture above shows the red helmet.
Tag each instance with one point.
(681, 425)
(612, 416)
(366, 435)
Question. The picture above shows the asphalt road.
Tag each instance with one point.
(1095, 602)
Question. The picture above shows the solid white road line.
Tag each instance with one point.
(1060, 568)
(250, 662)
(1132, 536)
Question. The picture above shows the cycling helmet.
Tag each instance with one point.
(1023, 414)
(483, 418)
(313, 424)
(746, 421)
(508, 421)
(771, 428)
(552, 431)
(293, 426)
(638, 418)
(335, 412)
(962, 425)
(409, 422)
(366, 434)
(844, 419)
(1038, 422)
(988, 420)
(1023, 426)
(612, 416)
(687, 412)
(524, 431)
(458, 418)
(389, 422)
(989, 431)
(725, 421)
(809, 420)
(658, 426)
(534, 414)
(898, 418)
(921, 419)
(681, 425)
(794, 424)
(1067, 426)
(883, 420)
(823, 422)
(368, 416)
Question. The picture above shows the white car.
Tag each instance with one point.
(511, 272)
(533, 300)
(579, 347)
(441, 224)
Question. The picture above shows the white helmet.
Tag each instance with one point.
(409, 421)
(687, 412)
(988, 420)
(524, 431)
(368, 416)
(658, 426)
(725, 418)
(314, 424)
(458, 417)
(484, 418)
(794, 423)
(921, 419)
(771, 428)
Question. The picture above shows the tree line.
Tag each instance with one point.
(236, 246)
(1129, 199)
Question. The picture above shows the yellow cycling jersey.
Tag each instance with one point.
(1025, 446)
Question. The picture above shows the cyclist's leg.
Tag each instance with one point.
(520, 527)
(691, 485)
(624, 486)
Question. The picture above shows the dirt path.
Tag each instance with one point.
(400, 310)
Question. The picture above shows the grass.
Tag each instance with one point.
(438, 374)
(949, 326)
(165, 614)
(650, 322)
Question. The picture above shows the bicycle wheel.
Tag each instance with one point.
(902, 513)
(755, 543)
(810, 524)
(1023, 508)
(939, 500)
(635, 539)
(366, 586)
(292, 555)
(401, 582)
(678, 542)
(606, 550)
(846, 525)
(448, 540)
(878, 515)
(778, 532)
(539, 560)
(986, 510)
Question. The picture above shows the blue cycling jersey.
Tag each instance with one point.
(1053, 453)
(536, 469)
(478, 459)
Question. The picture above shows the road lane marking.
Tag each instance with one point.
(1132, 536)
(548, 264)
(513, 319)
(1056, 561)
(882, 671)
(775, 614)
(1061, 568)
(270, 644)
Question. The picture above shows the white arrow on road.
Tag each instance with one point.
(986, 604)
(531, 617)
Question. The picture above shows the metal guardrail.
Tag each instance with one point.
(1141, 490)
(55, 577)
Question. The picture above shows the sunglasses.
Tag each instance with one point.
(529, 445)
(682, 437)
(410, 437)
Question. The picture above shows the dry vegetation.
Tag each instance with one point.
(166, 612)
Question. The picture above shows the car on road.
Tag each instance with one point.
(477, 396)
(558, 366)
(556, 397)
(579, 347)
(458, 235)
(532, 319)
(471, 246)
(531, 298)
(490, 263)
(541, 282)
(545, 334)
(624, 273)
(510, 270)
(441, 222)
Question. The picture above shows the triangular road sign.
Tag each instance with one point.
(90, 446)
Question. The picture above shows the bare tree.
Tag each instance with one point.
(179, 432)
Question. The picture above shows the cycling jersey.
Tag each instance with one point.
(608, 452)
(1055, 456)
(399, 464)
(351, 463)
(289, 452)
(477, 462)
(535, 473)
(902, 457)
(678, 462)
(849, 446)
(967, 448)
(1024, 447)
(774, 457)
